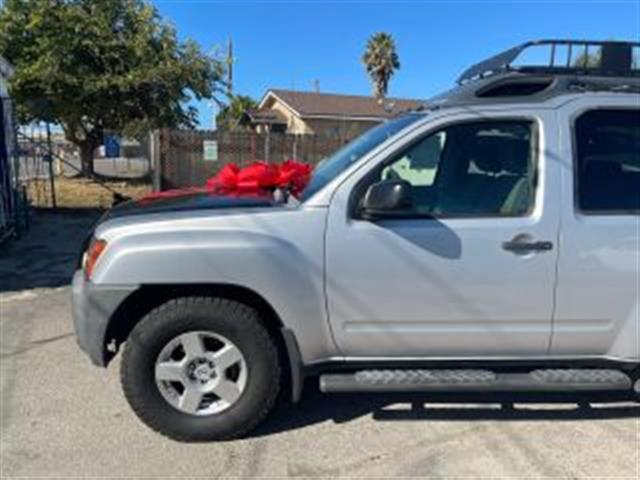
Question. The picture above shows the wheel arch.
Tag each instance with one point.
(148, 297)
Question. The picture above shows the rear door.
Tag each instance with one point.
(598, 294)
(448, 283)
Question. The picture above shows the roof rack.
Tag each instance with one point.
(562, 57)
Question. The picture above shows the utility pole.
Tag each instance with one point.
(230, 68)
(228, 61)
(316, 85)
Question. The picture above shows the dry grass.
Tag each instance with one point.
(80, 193)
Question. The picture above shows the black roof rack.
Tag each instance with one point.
(563, 57)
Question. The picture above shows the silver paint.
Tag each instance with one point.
(420, 288)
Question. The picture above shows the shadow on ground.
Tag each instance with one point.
(317, 407)
(45, 255)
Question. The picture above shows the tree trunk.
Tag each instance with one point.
(86, 159)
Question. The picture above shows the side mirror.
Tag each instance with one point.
(388, 199)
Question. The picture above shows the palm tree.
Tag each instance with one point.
(381, 61)
(229, 117)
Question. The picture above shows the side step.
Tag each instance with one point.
(474, 380)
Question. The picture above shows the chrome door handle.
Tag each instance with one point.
(521, 245)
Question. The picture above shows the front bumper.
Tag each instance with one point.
(92, 309)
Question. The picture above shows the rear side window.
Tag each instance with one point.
(608, 161)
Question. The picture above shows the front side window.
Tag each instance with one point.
(482, 169)
(607, 146)
(341, 160)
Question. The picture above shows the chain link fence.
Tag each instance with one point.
(35, 170)
(46, 166)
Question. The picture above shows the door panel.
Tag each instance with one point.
(443, 287)
(598, 306)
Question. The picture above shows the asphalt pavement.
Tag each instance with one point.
(62, 417)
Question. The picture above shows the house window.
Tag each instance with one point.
(278, 127)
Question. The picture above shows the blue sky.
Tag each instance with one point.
(290, 44)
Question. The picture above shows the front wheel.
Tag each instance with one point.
(198, 369)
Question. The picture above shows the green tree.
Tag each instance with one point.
(584, 60)
(594, 59)
(229, 116)
(94, 66)
(381, 61)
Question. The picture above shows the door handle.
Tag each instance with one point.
(522, 244)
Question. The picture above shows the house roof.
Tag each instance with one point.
(331, 105)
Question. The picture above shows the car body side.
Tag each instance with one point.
(280, 253)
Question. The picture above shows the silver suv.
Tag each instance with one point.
(489, 241)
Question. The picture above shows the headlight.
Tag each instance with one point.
(96, 247)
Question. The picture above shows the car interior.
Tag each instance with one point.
(470, 170)
(609, 161)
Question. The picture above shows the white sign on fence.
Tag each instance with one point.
(210, 150)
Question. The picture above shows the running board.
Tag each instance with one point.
(475, 380)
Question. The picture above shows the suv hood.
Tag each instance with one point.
(186, 202)
(198, 201)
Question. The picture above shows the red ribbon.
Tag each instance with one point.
(257, 179)
(261, 178)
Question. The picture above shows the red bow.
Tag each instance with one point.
(257, 179)
(261, 177)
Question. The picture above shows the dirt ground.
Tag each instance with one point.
(78, 193)
(61, 417)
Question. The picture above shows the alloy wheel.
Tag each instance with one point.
(201, 373)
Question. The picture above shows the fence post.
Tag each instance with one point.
(267, 145)
(152, 153)
(159, 146)
(253, 145)
(49, 158)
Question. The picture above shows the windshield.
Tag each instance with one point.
(337, 163)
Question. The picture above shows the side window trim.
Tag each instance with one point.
(575, 116)
(359, 190)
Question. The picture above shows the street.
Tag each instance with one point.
(62, 417)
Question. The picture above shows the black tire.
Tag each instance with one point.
(235, 321)
(635, 377)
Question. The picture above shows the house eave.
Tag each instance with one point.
(344, 117)
(270, 93)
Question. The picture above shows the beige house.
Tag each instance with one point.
(301, 113)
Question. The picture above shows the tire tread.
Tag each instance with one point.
(253, 327)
